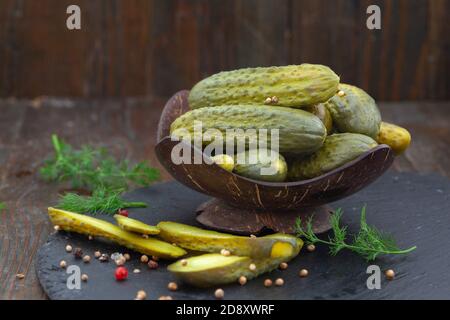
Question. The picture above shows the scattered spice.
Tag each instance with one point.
(303, 273)
(172, 286)
(68, 248)
(120, 261)
(136, 271)
(123, 212)
(145, 236)
(78, 253)
(97, 254)
(56, 228)
(183, 262)
(390, 274)
(267, 283)
(63, 264)
(225, 252)
(165, 298)
(283, 266)
(274, 99)
(242, 280)
(341, 93)
(153, 265)
(20, 276)
(103, 257)
(252, 267)
(84, 277)
(252, 236)
(268, 100)
(144, 259)
(219, 294)
(86, 259)
(127, 256)
(141, 295)
(90, 238)
(279, 282)
(311, 247)
(155, 258)
(121, 273)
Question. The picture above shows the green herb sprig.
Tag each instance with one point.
(101, 201)
(2, 206)
(94, 168)
(368, 242)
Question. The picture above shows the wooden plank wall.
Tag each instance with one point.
(156, 47)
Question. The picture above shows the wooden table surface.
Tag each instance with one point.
(128, 128)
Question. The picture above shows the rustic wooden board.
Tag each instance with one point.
(156, 47)
(415, 208)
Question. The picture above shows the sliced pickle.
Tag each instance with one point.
(135, 226)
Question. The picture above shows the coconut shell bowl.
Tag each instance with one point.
(244, 206)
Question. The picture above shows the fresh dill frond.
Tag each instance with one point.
(2, 206)
(101, 201)
(369, 242)
(94, 168)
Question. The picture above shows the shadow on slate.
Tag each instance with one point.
(414, 208)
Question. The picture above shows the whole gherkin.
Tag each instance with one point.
(288, 86)
(353, 110)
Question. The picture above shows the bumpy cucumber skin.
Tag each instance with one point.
(229, 273)
(337, 150)
(253, 171)
(74, 222)
(135, 226)
(300, 131)
(294, 86)
(394, 136)
(322, 112)
(197, 239)
(354, 112)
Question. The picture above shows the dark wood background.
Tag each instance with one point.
(156, 47)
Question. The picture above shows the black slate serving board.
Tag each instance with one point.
(414, 208)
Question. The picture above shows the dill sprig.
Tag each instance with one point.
(369, 242)
(101, 201)
(2, 206)
(94, 168)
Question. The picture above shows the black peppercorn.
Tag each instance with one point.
(78, 253)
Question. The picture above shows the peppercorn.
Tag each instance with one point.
(63, 264)
(86, 259)
(390, 274)
(136, 271)
(219, 294)
(121, 273)
(127, 256)
(84, 277)
(303, 273)
(310, 247)
(165, 298)
(242, 280)
(68, 248)
(123, 212)
(144, 259)
(90, 238)
(274, 99)
(225, 252)
(120, 261)
(78, 253)
(183, 262)
(155, 258)
(141, 295)
(153, 265)
(56, 228)
(279, 282)
(267, 283)
(252, 267)
(103, 257)
(172, 286)
(97, 254)
(20, 276)
(283, 266)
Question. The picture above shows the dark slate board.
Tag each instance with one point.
(414, 208)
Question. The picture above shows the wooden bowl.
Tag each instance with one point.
(244, 193)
